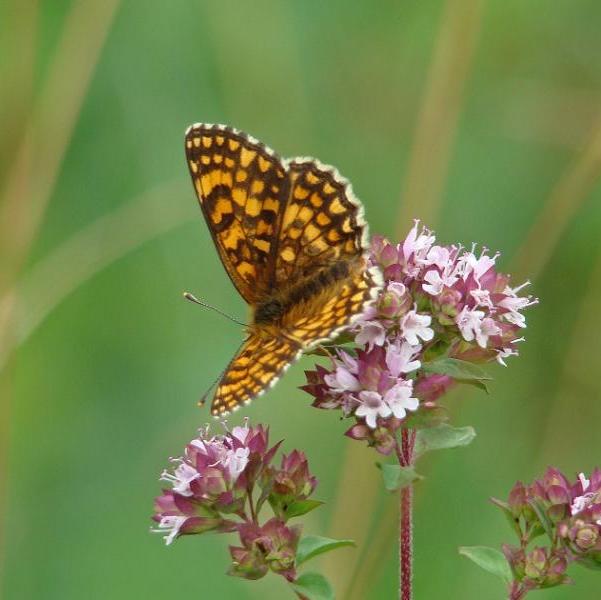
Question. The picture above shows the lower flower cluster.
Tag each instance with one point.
(568, 513)
(222, 482)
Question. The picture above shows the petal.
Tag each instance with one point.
(347, 380)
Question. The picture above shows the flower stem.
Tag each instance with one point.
(251, 505)
(517, 592)
(406, 542)
(405, 456)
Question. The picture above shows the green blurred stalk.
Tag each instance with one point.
(565, 200)
(440, 111)
(38, 157)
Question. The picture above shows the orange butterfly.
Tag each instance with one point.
(292, 237)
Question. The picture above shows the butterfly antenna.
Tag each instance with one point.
(203, 398)
(192, 298)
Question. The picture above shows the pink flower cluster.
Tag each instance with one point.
(437, 302)
(568, 512)
(222, 482)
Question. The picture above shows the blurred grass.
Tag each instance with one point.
(103, 388)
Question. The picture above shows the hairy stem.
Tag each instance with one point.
(405, 456)
(406, 543)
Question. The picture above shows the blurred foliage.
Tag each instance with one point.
(97, 397)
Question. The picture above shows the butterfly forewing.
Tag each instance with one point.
(242, 187)
(322, 221)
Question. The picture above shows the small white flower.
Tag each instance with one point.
(399, 358)
(587, 499)
(469, 322)
(235, 461)
(350, 362)
(240, 433)
(417, 245)
(514, 304)
(342, 380)
(488, 327)
(439, 256)
(415, 326)
(399, 399)
(171, 526)
(434, 282)
(397, 287)
(371, 407)
(470, 264)
(482, 298)
(504, 353)
(181, 478)
(372, 333)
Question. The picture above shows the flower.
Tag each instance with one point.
(272, 546)
(371, 406)
(211, 480)
(222, 482)
(371, 386)
(437, 302)
(414, 327)
(293, 481)
(569, 512)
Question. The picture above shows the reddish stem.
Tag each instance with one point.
(405, 456)
(406, 542)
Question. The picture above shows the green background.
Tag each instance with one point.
(480, 117)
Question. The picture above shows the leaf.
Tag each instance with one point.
(313, 545)
(396, 477)
(444, 436)
(426, 417)
(515, 523)
(489, 559)
(301, 507)
(460, 370)
(313, 586)
(542, 517)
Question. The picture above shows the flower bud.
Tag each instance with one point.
(293, 479)
(535, 566)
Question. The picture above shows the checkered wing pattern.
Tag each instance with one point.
(322, 242)
(241, 187)
(255, 368)
(322, 222)
(292, 237)
(321, 317)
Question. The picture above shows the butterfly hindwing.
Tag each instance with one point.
(256, 367)
(242, 187)
(323, 316)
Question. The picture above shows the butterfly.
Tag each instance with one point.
(292, 237)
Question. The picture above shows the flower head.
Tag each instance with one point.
(211, 480)
(437, 302)
(569, 512)
(268, 547)
(222, 483)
